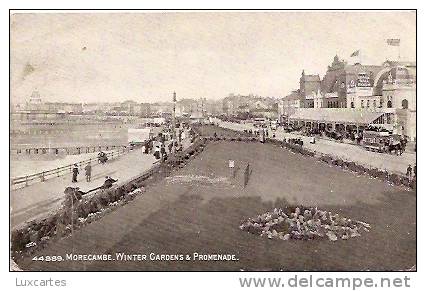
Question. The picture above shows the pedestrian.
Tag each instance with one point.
(399, 149)
(74, 173)
(409, 171)
(403, 144)
(163, 151)
(150, 146)
(157, 152)
(88, 170)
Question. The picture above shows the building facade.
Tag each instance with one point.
(309, 85)
(389, 88)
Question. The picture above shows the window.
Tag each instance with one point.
(352, 105)
(362, 103)
(374, 103)
(368, 103)
(389, 104)
(388, 118)
(404, 104)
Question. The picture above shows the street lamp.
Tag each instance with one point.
(174, 122)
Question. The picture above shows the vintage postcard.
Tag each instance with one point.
(213, 140)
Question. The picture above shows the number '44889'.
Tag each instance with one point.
(48, 258)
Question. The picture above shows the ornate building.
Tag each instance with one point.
(388, 89)
(344, 86)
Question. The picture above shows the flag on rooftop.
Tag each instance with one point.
(355, 53)
(393, 41)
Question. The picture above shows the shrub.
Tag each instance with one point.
(405, 181)
(395, 179)
(19, 238)
(413, 184)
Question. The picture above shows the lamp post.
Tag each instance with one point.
(174, 121)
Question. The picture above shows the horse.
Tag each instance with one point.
(395, 147)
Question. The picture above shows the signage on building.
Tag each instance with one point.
(363, 80)
(331, 95)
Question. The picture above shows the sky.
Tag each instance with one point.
(145, 56)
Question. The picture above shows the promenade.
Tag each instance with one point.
(38, 199)
(344, 151)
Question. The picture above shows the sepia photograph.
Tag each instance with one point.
(213, 140)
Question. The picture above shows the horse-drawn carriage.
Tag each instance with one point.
(102, 158)
(381, 141)
(334, 135)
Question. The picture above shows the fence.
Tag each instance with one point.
(23, 181)
(23, 150)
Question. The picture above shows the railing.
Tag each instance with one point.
(23, 181)
(70, 150)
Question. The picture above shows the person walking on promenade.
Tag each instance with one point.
(88, 170)
(75, 173)
(409, 171)
(163, 152)
(170, 146)
(157, 154)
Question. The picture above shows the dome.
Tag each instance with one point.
(398, 75)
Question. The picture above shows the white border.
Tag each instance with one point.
(189, 281)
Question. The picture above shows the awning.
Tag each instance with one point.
(336, 115)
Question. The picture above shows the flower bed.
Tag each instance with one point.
(393, 178)
(304, 223)
(294, 148)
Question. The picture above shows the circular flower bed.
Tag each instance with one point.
(304, 223)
